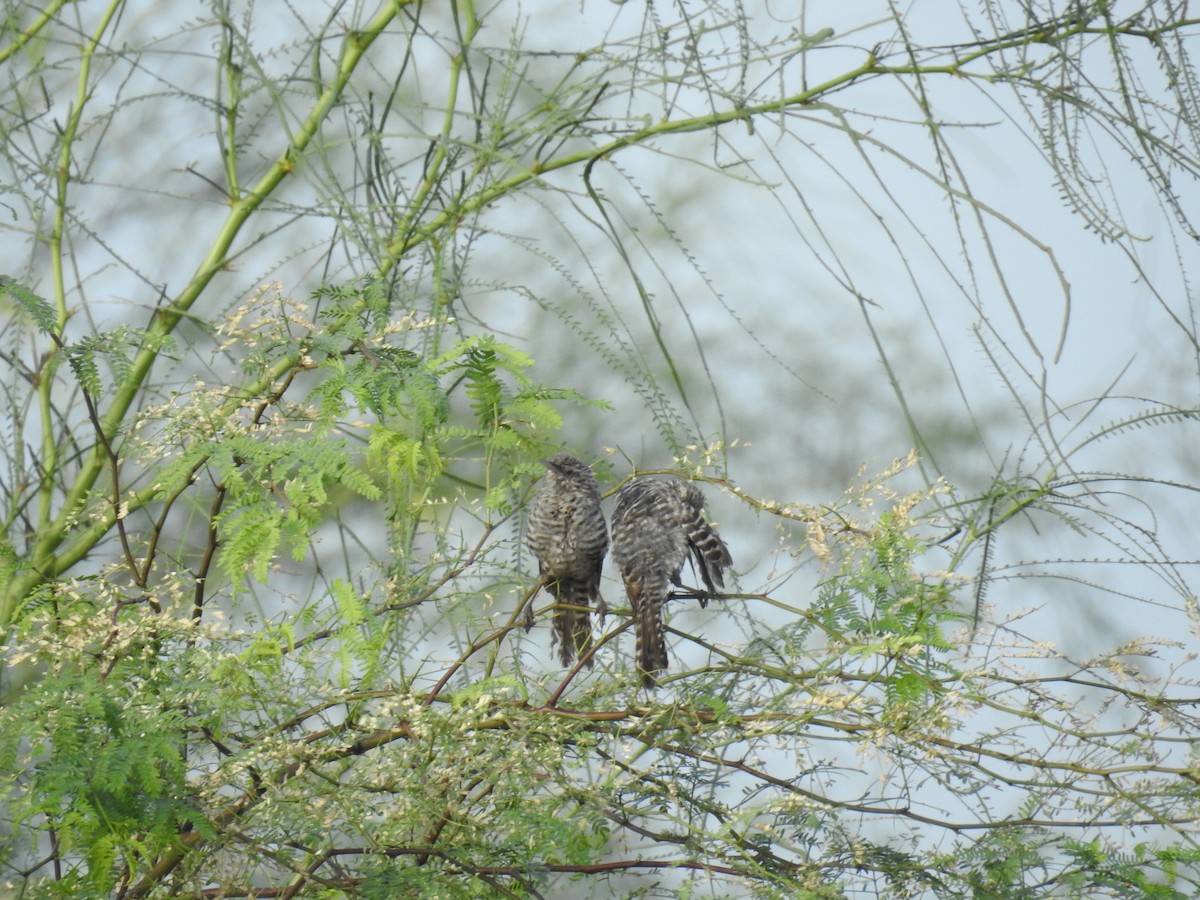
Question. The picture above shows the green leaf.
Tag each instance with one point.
(33, 305)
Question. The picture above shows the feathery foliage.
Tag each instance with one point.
(297, 300)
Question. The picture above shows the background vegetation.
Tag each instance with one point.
(296, 297)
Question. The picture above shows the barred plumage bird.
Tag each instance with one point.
(656, 526)
(567, 534)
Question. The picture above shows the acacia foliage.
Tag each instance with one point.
(263, 571)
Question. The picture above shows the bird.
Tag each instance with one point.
(568, 536)
(656, 526)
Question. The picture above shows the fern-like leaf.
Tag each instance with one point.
(34, 306)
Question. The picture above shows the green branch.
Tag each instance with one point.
(24, 37)
(52, 534)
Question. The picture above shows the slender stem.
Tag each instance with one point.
(21, 38)
(54, 530)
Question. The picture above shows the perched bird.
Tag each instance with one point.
(656, 526)
(567, 534)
